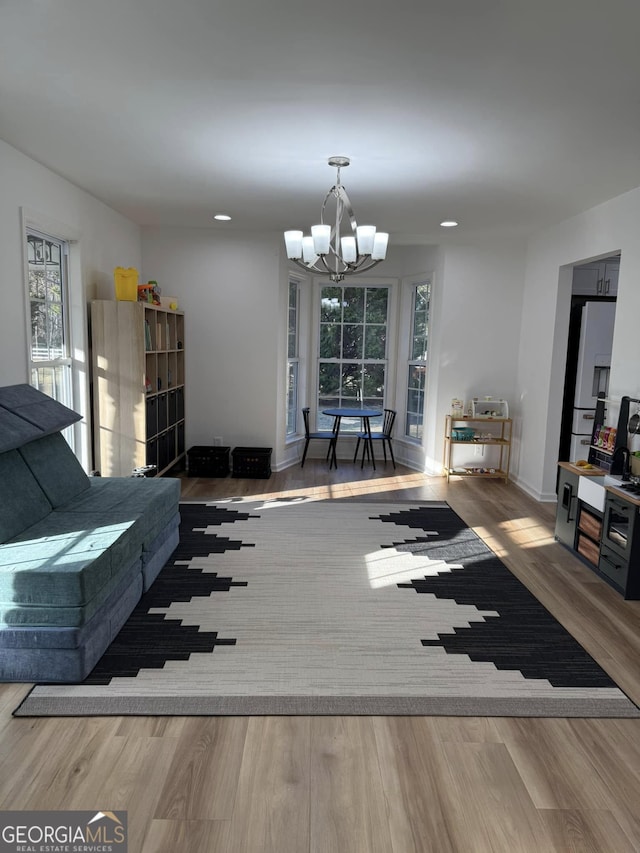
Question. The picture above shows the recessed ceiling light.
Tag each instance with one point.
(448, 223)
(222, 217)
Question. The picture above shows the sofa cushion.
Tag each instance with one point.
(68, 654)
(55, 467)
(14, 431)
(54, 565)
(151, 502)
(33, 413)
(22, 501)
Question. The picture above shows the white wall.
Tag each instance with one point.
(488, 334)
(105, 240)
(477, 306)
(230, 290)
(598, 232)
(234, 291)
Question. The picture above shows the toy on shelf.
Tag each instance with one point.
(126, 283)
(149, 292)
(489, 408)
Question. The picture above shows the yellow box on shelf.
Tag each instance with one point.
(126, 283)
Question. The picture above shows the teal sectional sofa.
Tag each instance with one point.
(76, 552)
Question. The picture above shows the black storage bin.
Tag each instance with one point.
(173, 407)
(164, 455)
(252, 462)
(205, 461)
(162, 412)
(151, 417)
(152, 452)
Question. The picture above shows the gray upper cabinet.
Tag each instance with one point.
(596, 279)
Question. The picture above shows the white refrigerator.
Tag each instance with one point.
(592, 377)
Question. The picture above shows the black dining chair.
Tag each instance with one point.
(323, 435)
(384, 435)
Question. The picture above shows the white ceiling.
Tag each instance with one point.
(507, 115)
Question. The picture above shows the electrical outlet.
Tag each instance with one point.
(217, 441)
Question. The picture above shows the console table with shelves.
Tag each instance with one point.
(494, 432)
(138, 386)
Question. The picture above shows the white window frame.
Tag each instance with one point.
(63, 360)
(412, 285)
(79, 435)
(304, 348)
(391, 356)
(293, 363)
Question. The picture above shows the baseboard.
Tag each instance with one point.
(541, 497)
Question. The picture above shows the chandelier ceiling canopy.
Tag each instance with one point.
(326, 250)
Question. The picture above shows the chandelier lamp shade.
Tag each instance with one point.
(326, 250)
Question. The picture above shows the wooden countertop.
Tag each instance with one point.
(598, 472)
(583, 472)
(620, 493)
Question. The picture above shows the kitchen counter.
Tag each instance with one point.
(582, 472)
(613, 484)
(610, 482)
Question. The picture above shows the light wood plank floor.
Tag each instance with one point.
(365, 784)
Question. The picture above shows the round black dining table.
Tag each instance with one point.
(365, 416)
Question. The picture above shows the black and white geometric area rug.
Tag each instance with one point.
(337, 607)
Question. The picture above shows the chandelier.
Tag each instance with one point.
(326, 250)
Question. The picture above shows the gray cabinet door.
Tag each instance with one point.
(567, 509)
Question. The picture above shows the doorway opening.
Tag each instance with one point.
(591, 323)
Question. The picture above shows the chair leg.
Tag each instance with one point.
(355, 455)
(304, 453)
(391, 452)
(365, 451)
(334, 458)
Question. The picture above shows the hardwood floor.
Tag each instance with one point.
(365, 784)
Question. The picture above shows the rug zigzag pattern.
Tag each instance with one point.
(324, 607)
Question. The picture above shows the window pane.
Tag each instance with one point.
(351, 388)
(422, 297)
(329, 341)
(415, 400)
(419, 349)
(329, 381)
(53, 290)
(292, 397)
(416, 377)
(55, 381)
(331, 304)
(377, 298)
(376, 342)
(37, 282)
(353, 304)
(374, 382)
(293, 319)
(352, 341)
(414, 426)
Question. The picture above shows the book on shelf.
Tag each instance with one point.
(147, 336)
